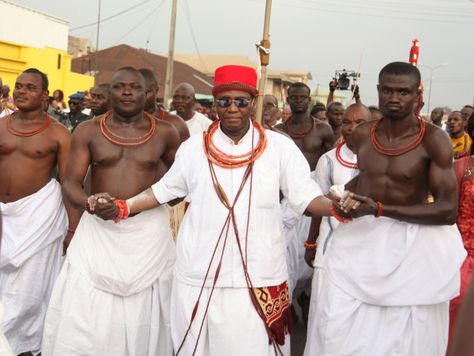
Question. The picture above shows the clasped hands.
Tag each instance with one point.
(103, 205)
(351, 205)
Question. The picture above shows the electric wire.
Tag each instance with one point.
(105, 19)
(140, 22)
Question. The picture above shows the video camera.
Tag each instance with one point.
(342, 77)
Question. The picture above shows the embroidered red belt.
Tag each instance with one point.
(275, 304)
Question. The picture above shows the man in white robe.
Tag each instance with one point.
(229, 294)
(334, 169)
(183, 102)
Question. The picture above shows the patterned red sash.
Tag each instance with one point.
(275, 304)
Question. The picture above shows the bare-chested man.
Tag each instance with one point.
(152, 108)
(183, 102)
(34, 217)
(334, 113)
(312, 137)
(391, 271)
(111, 296)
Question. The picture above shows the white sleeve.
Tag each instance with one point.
(295, 179)
(173, 184)
(322, 173)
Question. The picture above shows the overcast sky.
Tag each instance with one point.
(315, 35)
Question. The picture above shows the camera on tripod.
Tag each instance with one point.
(343, 78)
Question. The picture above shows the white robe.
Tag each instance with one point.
(295, 229)
(232, 326)
(198, 124)
(347, 326)
(281, 166)
(4, 347)
(328, 172)
(394, 278)
(112, 296)
(30, 260)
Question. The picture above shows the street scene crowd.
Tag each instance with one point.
(130, 229)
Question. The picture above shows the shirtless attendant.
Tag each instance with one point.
(391, 271)
(34, 217)
(112, 295)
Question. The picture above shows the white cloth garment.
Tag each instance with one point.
(4, 347)
(295, 229)
(112, 297)
(384, 261)
(198, 124)
(232, 314)
(30, 260)
(383, 289)
(347, 326)
(330, 172)
(232, 326)
(281, 166)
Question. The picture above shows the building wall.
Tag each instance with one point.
(55, 63)
(79, 46)
(32, 28)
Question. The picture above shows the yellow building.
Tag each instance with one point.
(56, 64)
(33, 39)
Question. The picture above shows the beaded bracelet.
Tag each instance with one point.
(123, 210)
(379, 209)
(310, 246)
(338, 217)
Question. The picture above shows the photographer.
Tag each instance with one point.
(333, 86)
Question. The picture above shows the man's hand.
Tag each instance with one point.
(309, 256)
(355, 206)
(103, 205)
(332, 85)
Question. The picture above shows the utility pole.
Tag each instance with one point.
(169, 65)
(431, 69)
(96, 60)
(98, 28)
(264, 51)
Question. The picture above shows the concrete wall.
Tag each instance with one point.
(15, 58)
(32, 28)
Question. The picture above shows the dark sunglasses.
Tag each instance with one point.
(226, 102)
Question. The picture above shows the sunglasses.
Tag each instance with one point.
(226, 102)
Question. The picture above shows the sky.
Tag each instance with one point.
(319, 36)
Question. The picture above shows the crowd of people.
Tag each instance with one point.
(129, 229)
